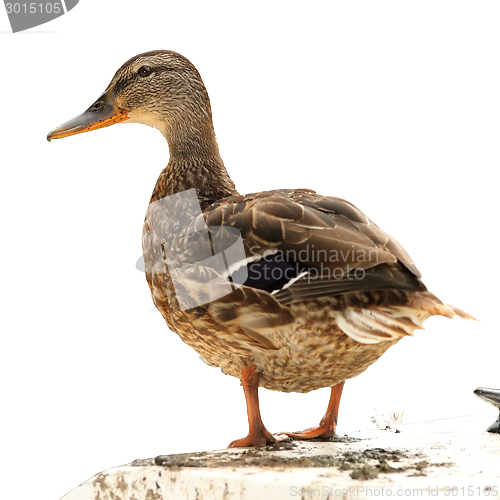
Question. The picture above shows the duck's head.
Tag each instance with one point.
(161, 89)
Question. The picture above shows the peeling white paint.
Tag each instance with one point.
(469, 453)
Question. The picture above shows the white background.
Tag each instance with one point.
(393, 105)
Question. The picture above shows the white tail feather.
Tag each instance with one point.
(372, 326)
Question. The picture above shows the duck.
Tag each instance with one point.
(285, 289)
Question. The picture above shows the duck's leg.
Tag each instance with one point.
(326, 427)
(258, 435)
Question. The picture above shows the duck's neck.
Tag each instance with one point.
(194, 163)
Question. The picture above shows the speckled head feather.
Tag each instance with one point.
(170, 94)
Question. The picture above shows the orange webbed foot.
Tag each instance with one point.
(328, 424)
(256, 439)
(321, 431)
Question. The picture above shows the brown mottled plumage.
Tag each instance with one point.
(326, 292)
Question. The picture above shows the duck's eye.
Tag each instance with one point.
(97, 106)
(144, 71)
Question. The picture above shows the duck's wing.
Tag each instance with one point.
(300, 245)
(296, 246)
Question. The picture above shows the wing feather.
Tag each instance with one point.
(328, 236)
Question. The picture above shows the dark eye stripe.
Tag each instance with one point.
(122, 84)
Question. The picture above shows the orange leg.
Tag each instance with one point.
(258, 435)
(326, 427)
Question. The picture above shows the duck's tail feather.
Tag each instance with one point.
(428, 302)
(383, 324)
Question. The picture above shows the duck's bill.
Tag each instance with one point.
(103, 113)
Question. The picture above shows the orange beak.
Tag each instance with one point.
(103, 113)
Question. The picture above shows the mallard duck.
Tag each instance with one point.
(288, 290)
